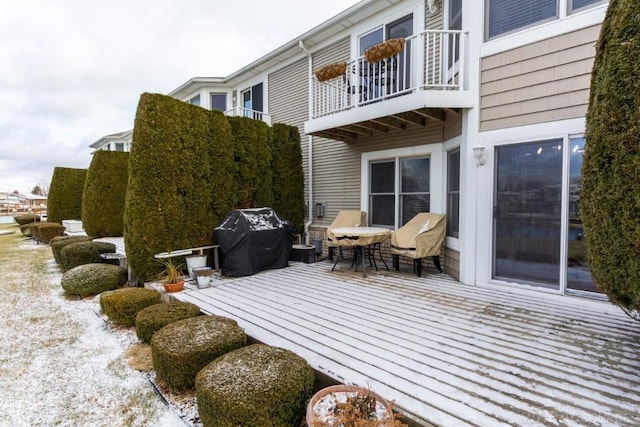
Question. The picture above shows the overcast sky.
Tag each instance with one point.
(72, 71)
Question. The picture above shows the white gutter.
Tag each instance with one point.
(309, 148)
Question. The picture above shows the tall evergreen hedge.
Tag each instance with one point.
(104, 194)
(252, 154)
(65, 194)
(288, 175)
(610, 200)
(181, 180)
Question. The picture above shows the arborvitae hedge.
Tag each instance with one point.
(65, 194)
(610, 200)
(181, 180)
(104, 193)
(252, 153)
(288, 175)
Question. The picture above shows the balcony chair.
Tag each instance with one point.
(421, 237)
(344, 219)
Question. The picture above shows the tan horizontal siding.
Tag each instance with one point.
(451, 263)
(452, 125)
(336, 165)
(544, 81)
(339, 51)
(289, 103)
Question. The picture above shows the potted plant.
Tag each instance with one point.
(195, 261)
(172, 278)
(349, 406)
(203, 276)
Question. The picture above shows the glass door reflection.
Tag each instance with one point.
(578, 272)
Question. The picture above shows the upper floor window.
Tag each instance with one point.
(195, 100)
(402, 27)
(579, 4)
(506, 16)
(252, 102)
(252, 98)
(119, 146)
(219, 101)
(454, 22)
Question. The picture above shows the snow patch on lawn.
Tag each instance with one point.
(59, 364)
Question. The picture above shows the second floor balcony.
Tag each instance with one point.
(252, 114)
(417, 83)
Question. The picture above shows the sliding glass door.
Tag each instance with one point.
(537, 238)
(578, 274)
(527, 213)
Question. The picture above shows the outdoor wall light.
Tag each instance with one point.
(432, 6)
(479, 154)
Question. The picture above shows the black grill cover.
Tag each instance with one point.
(252, 240)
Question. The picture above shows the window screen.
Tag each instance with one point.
(381, 193)
(504, 16)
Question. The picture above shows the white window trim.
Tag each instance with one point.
(564, 24)
(449, 145)
(434, 151)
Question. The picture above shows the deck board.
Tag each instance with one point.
(448, 354)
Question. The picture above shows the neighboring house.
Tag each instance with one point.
(480, 115)
(15, 202)
(120, 141)
(35, 201)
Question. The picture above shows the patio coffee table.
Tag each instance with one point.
(359, 238)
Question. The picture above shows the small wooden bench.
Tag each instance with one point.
(190, 251)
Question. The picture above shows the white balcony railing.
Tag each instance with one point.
(430, 60)
(252, 114)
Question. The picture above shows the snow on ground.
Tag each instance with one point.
(60, 362)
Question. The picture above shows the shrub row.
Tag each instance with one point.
(65, 194)
(45, 231)
(83, 252)
(92, 279)
(104, 194)
(23, 219)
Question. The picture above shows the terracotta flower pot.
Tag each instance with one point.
(173, 287)
(320, 408)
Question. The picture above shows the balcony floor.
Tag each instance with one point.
(447, 353)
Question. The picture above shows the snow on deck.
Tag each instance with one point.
(117, 241)
(447, 353)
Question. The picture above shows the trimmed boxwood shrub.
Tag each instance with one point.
(258, 385)
(25, 230)
(181, 180)
(65, 194)
(59, 242)
(610, 196)
(45, 231)
(180, 349)
(91, 279)
(153, 318)
(79, 253)
(122, 305)
(252, 151)
(104, 192)
(288, 175)
(23, 219)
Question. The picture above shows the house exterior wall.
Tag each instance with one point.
(288, 96)
(539, 82)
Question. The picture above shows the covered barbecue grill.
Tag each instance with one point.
(252, 240)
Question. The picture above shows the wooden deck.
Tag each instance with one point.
(448, 354)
